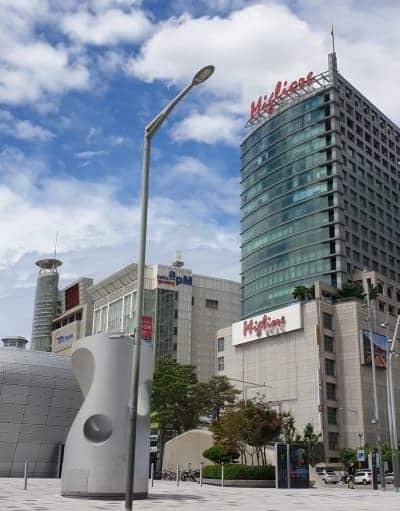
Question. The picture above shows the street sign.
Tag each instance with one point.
(360, 455)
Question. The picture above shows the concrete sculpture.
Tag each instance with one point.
(96, 449)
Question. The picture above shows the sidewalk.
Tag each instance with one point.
(44, 495)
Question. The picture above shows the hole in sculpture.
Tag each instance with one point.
(98, 428)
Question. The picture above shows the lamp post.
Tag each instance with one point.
(201, 76)
(391, 406)
(376, 420)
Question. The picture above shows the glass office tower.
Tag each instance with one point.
(289, 217)
(320, 189)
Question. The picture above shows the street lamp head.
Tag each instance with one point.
(203, 75)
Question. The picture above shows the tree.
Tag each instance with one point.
(215, 395)
(289, 433)
(303, 293)
(247, 427)
(174, 403)
(348, 456)
(312, 441)
(220, 454)
(351, 290)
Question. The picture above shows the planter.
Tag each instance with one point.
(242, 483)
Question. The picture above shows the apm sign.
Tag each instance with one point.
(174, 280)
(266, 104)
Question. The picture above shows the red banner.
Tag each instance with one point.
(147, 328)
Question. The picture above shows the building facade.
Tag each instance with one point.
(186, 310)
(74, 316)
(45, 307)
(319, 190)
(314, 360)
(39, 399)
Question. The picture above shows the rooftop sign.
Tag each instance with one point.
(265, 325)
(267, 104)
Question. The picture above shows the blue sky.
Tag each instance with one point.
(79, 79)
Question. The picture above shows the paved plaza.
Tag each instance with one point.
(44, 495)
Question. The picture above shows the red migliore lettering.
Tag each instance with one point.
(267, 103)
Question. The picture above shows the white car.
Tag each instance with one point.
(363, 477)
(329, 477)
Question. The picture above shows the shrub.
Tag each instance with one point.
(219, 454)
(237, 471)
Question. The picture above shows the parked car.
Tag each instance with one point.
(389, 478)
(329, 477)
(363, 477)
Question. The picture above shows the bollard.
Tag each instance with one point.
(152, 474)
(222, 475)
(201, 474)
(26, 474)
(177, 475)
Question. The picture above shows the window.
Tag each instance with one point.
(220, 363)
(333, 440)
(329, 343)
(221, 344)
(331, 391)
(211, 304)
(332, 415)
(175, 330)
(329, 367)
(327, 321)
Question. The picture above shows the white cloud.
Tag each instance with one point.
(108, 27)
(83, 155)
(208, 128)
(23, 130)
(96, 226)
(259, 44)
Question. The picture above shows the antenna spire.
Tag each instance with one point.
(55, 243)
(333, 39)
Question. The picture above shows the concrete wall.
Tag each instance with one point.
(187, 448)
(39, 399)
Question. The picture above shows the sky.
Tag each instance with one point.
(79, 80)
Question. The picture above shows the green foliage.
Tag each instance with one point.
(220, 454)
(237, 471)
(351, 290)
(247, 425)
(289, 432)
(312, 441)
(348, 456)
(173, 396)
(302, 293)
(215, 395)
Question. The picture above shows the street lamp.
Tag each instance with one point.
(149, 132)
(377, 421)
(391, 406)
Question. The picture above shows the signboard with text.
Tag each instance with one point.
(147, 328)
(268, 324)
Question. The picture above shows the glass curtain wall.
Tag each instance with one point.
(287, 216)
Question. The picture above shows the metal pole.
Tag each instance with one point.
(152, 474)
(376, 406)
(177, 475)
(395, 442)
(288, 464)
(222, 474)
(201, 474)
(138, 327)
(26, 474)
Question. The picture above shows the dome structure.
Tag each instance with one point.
(39, 399)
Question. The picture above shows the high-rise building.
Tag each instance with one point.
(45, 304)
(319, 189)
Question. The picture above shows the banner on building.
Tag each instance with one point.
(380, 349)
(147, 328)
